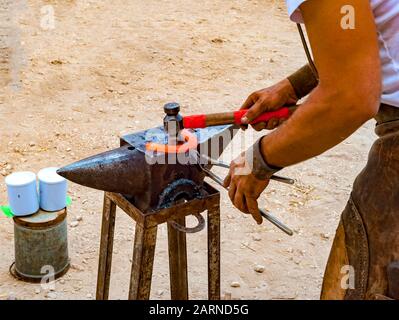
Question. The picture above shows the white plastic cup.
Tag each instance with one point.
(52, 189)
(22, 193)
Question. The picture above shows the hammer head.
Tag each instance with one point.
(173, 122)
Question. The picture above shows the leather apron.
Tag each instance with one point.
(363, 262)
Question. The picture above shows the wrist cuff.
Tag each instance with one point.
(260, 168)
(303, 81)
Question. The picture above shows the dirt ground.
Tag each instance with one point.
(106, 69)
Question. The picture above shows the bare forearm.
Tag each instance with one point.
(322, 122)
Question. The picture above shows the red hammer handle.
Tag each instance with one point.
(282, 113)
(215, 119)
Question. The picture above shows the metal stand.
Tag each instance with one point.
(145, 243)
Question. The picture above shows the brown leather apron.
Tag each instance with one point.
(366, 245)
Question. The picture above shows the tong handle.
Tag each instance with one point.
(276, 222)
(264, 214)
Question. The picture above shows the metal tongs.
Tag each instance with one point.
(219, 180)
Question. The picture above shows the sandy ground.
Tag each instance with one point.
(105, 69)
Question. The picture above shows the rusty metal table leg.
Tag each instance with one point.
(143, 262)
(106, 245)
(214, 253)
(178, 261)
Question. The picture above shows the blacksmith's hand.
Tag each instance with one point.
(244, 188)
(268, 99)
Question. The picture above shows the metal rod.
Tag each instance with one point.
(276, 222)
(264, 214)
(222, 164)
(282, 179)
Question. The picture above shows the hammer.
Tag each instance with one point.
(174, 122)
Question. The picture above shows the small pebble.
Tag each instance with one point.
(160, 293)
(256, 237)
(325, 236)
(79, 218)
(74, 224)
(89, 296)
(235, 284)
(259, 268)
(77, 267)
(227, 296)
(37, 291)
(51, 295)
(12, 296)
(32, 144)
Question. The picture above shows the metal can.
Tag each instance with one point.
(41, 246)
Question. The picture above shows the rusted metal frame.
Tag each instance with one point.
(158, 217)
(177, 248)
(178, 211)
(184, 209)
(106, 246)
(143, 261)
(145, 242)
(211, 190)
(214, 252)
(127, 207)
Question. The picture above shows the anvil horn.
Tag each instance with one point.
(119, 170)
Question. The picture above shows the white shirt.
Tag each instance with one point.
(386, 14)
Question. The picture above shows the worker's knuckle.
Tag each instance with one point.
(263, 99)
(250, 113)
(254, 95)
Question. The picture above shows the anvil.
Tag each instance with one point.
(151, 181)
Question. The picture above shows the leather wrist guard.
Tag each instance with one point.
(303, 81)
(260, 168)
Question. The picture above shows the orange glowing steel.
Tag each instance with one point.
(190, 143)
